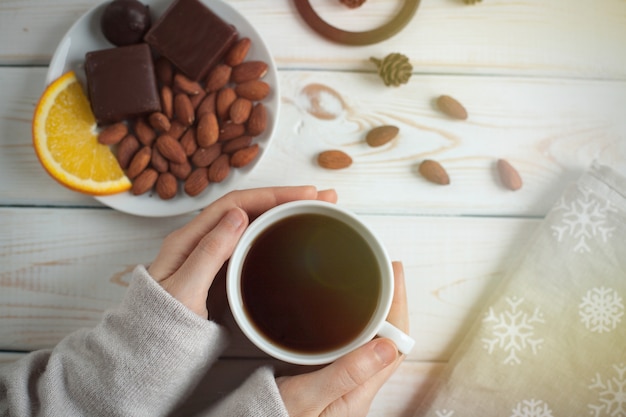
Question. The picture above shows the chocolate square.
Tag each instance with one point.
(191, 36)
(121, 83)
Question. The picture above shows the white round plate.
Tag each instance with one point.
(85, 36)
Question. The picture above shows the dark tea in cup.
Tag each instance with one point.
(310, 283)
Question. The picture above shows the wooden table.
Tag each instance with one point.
(544, 82)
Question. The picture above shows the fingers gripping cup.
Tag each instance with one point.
(309, 282)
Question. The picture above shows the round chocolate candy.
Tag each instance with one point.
(124, 22)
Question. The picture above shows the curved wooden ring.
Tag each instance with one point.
(395, 25)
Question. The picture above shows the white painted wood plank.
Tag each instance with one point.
(550, 130)
(531, 37)
(24, 181)
(62, 268)
(54, 280)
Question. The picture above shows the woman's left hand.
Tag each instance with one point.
(191, 256)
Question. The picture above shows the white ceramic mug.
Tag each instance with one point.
(377, 326)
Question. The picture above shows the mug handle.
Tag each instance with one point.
(403, 341)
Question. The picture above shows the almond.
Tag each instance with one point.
(166, 186)
(248, 71)
(253, 90)
(231, 131)
(203, 157)
(219, 169)
(240, 110)
(257, 122)
(207, 105)
(186, 85)
(244, 156)
(237, 53)
(180, 171)
(126, 150)
(225, 98)
(140, 161)
(334, 159)
(234, 145)
(144, 181)
(184, 109)
(188, 141)
(218, 78)
(159, 122)
(381, 135)
(197, 99)
(451, 107)
(434, 172)
(145, 133)
(177, 129)
(171, 149)
(208, 130)
(158, 162)
(113, 134)
(508, 175)
(167, 101)
(196, 182)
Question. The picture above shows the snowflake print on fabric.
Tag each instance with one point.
(584, 219)
(601, 309)
(444, 413)
(513, 331)
(611, 394)
(532, 408)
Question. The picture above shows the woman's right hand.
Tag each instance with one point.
(347, 387)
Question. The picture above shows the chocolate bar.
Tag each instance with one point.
(191, 37)
(121, 83)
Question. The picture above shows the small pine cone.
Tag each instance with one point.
(353, 4)
(394, 69)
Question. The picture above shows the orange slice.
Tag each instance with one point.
(66, 141)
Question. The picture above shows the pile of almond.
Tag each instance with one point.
(204, 129)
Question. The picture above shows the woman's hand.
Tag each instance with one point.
(347, 387)
(190, 257)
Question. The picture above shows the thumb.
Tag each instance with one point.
(357, 367)
(197, 273)
(328, 384)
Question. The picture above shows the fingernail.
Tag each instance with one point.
(234, 217)
(386, 352)
(328, 191)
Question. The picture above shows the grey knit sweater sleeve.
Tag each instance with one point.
(257, 396)
(142, 359)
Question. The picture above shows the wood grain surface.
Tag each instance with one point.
(543, 81)
(554, 38)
